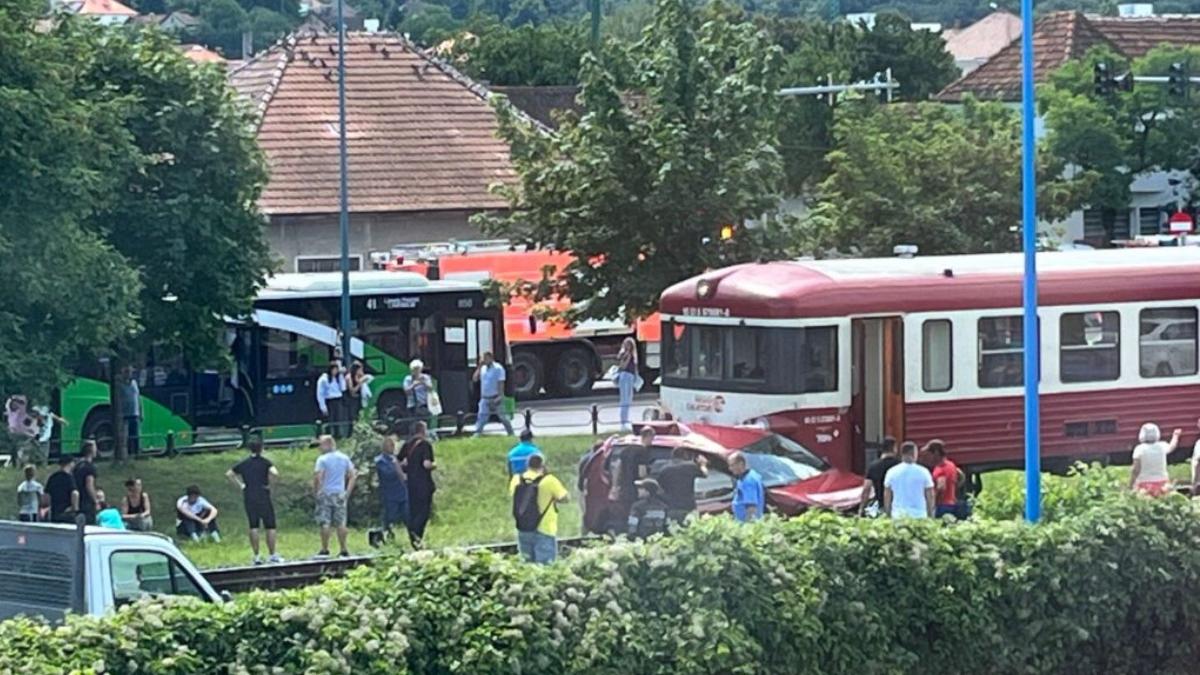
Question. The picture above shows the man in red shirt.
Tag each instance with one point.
(945, 480)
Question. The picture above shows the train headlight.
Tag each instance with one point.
(704, 289)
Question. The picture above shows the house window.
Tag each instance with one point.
(1089, 347)
(1149, 221)
(328, 264)
(936, 356)
(1167, 343)
(1094, 228)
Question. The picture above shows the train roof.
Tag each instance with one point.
(329, 284)
(843, 287)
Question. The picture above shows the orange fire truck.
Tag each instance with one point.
(547, 355)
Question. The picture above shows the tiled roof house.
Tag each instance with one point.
(1061, 36)
(972, 46)
(422, 139)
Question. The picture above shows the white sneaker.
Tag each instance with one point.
(257, 560)
(216, 537)
(275, 559)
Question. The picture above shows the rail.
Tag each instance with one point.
(308, 572)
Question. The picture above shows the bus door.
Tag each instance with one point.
(464, 341)
(218, 393)
(284, 385)
(878, 394)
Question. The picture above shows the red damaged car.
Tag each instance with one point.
(795, 479)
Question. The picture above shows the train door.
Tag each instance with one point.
(877, 406)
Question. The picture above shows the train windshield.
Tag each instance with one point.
(751, 358)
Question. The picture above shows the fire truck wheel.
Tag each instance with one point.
(527, 375)
(573, 374)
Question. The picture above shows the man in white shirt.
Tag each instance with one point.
(196, 516)
(333, 482)
(908, 487)
(491, 377)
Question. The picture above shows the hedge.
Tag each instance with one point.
(1115, 589)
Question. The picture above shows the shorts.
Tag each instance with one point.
(331, 510)
(260, 512)
(1154, 488)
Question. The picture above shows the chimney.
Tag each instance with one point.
(371, 25)
(247, 44)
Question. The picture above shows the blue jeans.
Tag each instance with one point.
(536, 547)
(625, 382)
(395, 511)
(487, 408)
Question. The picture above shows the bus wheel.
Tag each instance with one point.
(573, 374)
(98, 426)
(527, 375)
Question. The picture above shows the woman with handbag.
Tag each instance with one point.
(418, 388)
(628, 380)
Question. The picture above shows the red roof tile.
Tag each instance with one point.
(984, 38)
(1062, 36)
(101, 7)
(421, 136)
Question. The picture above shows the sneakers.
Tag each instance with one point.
(344, 553)
(275, 559)
(216, 537)
(322, 554)
(257, 560)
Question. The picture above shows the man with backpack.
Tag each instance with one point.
(536, 495)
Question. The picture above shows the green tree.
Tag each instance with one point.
(427, 23)
(268, 26)
(222, 23)
(527, 55)
(67, 293)
(640, 193)
(1113, 139)
(185, 217)
(945, 180)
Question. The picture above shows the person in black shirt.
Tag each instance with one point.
(648, 515)
(85, 481)
(678, 480)
(873, 485)
(626, 465)
(254, 476)
(64, 498)
(419, 464)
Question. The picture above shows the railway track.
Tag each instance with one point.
(302, 573)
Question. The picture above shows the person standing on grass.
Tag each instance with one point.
(491, 377)
(333, 483)
(1149, 471)
(945, 481)
(254, 476)
(135, 507)
(64, 498)
(749, 497)
(331, 390)
(908, 490)
(393, 492)
(872, 493)
(627, 376)
(419, 464)
(536, 495)
(521, 452)
(196, 517)
(130, 396)
(29, 497)
(85, 481)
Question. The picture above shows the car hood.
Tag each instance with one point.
(832, 489)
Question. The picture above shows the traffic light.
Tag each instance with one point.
(727, 232)
(1177, 80)
(1102, 79)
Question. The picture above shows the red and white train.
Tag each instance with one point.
(839, 353)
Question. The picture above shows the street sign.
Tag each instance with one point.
(1180, 223)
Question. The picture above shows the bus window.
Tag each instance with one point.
(678, 350)
(422, 336)
(1089, 347)
(1001, 352)
(708, 356)
(749, 354)
(1168, 342)
(385, 335)
(937, 362)
(818, 359)
(290, 355)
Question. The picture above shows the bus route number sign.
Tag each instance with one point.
(403, 302)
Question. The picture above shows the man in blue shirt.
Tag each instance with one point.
(749, 499)
(393, 492)
(490, 376)
(518, 457)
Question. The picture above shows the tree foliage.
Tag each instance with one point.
(528, 55)
(945, 180)
(67, 293)
(640, 186)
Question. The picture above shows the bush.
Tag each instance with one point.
(1113, 590)
(1082, 488)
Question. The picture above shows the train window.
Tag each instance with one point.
(678, 350)
(1000, 352)
(749, 354)
(818, 359)
(937, 363)
(708, 358)
(1167, 342)
(1089, 347)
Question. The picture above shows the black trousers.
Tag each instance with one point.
(420, 506)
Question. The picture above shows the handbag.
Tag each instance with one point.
(638, 383)
(434, 403)
(612, 372)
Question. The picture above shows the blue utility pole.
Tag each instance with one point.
(1033, 457)
(344, 215)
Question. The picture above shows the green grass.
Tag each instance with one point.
(471, 505)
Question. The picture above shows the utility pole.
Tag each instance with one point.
(595, 5)
(344, 213)
(882, 83)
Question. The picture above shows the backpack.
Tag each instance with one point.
(525, 506)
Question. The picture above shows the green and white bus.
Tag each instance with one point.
(277, 354)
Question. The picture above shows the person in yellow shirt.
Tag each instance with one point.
(536, 495)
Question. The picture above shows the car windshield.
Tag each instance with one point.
(774, 444)
(776, 470)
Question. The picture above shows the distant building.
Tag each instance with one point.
(179, 22)
(104, 12)
(422, 138)
(201, 54)
(972, 46)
